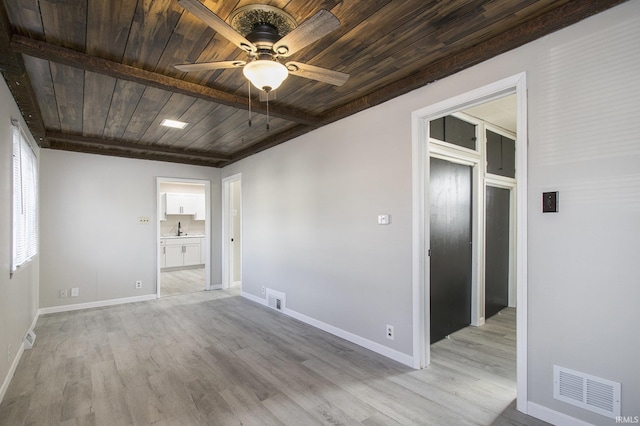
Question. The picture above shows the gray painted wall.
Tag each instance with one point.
(18, 294)
(89, 235)
(310, 209)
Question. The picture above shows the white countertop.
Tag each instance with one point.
(184, 236)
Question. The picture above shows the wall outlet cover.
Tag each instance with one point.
(390, 332)
(384, 219)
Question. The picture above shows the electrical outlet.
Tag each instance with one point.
(389, 332)
(143, 220)
(263, 290)
(384, 219)
(62, 294)
(138, 284)
(75, 291)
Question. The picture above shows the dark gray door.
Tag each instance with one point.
(496, 280)
(450, 245)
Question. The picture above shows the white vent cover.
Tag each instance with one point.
(29, 339)
(592, 393)
(275, 299)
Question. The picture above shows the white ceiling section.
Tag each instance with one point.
(501, 112)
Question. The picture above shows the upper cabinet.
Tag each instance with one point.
(454, 130)
(199, 209)
(187, 204)
(501, 155)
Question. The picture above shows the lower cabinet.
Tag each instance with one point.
(179, 252)
(191, 254)
(173, 256)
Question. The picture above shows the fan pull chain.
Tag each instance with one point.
(249, 83)
(267, 111)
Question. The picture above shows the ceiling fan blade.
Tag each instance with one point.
(207, 66)
(324, 75)
(216, 23)
(313, 29)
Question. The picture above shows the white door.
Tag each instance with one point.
(232, 231)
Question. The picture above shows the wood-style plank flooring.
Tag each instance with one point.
(215, 358)
(182, 281)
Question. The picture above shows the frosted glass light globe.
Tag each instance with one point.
(265, 74)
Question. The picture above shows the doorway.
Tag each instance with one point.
(183, 236)
(232, 231)
(423, 150)
(497, 250)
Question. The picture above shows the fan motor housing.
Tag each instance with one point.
(263, 35)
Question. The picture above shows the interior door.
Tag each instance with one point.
(497, 250)
(450, 246)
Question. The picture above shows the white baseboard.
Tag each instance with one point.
(216, 287)
(35, 320)
(253, 298)
(353, 338)
(98, 304)
(552, 416)
(16, 361)
(11, 372)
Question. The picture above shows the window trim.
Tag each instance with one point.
(29, 229)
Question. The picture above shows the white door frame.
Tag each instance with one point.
(207, 227)
(227, 223)
(420, 178)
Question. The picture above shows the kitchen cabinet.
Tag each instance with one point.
(187, 204)
(199, 209)
(173, 256)
(180, 252)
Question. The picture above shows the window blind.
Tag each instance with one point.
(25, 200)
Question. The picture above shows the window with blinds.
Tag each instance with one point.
(25, 200)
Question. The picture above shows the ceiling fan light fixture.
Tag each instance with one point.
(265, 74)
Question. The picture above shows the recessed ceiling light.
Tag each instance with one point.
(174, 123)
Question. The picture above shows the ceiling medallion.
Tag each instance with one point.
(244, 19)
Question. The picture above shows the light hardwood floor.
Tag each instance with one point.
(182, 281)
(215, 358)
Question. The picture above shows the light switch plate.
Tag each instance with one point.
(383, 219)
(550, 202)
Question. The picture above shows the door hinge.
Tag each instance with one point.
(429, 252)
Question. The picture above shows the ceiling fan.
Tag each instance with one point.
(267, 34)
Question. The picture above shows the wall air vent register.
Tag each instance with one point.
(585, 391)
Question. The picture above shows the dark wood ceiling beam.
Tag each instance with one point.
(117, 152)
(556, 19)
(15, 74)
(61, 55)
(52, 137)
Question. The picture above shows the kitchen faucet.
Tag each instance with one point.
(179, 230)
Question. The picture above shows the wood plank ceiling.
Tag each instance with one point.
(96, 75)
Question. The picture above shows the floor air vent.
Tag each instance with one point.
(585, 391)
(275, 299)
